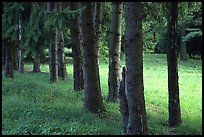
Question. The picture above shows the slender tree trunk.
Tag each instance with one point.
(183, 51)
(76, 50)
(9, 61)
(20, 56)
(97, 24)
(137, 122)
(92, 91)
(114, 52)
(36, 64)
(15, 57)
(53, 52)
(123, 102)
(61, 57)
(3, 53)
(173, 86)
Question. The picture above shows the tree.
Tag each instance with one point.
(92, 91)
(61, 57)
(76, 49)
(114, 51)
(20, 49)
(173, 86)
(137, 122)
(97, 24)
(53, 48)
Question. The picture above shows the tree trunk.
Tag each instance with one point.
(92, 90)
(20, 56)
(76, 50)
(173, 86)
(123, 102)
(9, 61)
(183, 51)
(137, 122)
(36, 64)
(114, 52)
(15, 57)
(97, 25)
(3, 53)
(53, 52)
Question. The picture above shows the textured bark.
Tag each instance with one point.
(137, 122)
(61, 58)
(92, 91)
(53, 52)
(15, 57)
(173, 86)
(76, 50)
(114, 52)
(183, 51)
(123, 102)
(97, 24)
(9, 61)
(3, 54)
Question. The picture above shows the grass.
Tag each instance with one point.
(33, 105)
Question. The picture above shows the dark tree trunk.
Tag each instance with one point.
(3, 54)
(9, 61)
(62, 72)
(114, 52)
(53, 52)
(76, 50)
(183, 51)
(123, 102)
(92, 91)
(97, 25)
(173, 86)
(137, 122)
(36, 64)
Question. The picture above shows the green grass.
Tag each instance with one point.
(31, 104)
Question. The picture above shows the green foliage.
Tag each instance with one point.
(191, 35)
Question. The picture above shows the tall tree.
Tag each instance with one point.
(97, 24)
(92, 91)
(76, 49)
(61, 57)
(173, 86)
(114, 51)
(137, 122)
(20, 49)
(53, 48)
(9, 73)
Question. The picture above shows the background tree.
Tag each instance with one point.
(92, 91)
(114, 51)
(173, 86)
(76, 48)
(137, 122)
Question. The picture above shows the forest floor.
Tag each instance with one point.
(33, 105)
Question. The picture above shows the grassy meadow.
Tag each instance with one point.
(31, 104)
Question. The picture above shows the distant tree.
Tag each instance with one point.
(137, 122)
(76, 49)
(114, 51)
(92, 91)
(173, 86)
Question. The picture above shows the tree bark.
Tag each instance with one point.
(173, 86)
(36, 64)
(92, 91)
(97, 25)
(114, 52)
(76, 50)
(123, 102)
(20, 56)
(53, 52)
(137, 122)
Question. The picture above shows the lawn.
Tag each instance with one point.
(31, 104)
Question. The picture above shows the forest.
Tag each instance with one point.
(101, 68)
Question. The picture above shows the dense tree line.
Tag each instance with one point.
(28, 29)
